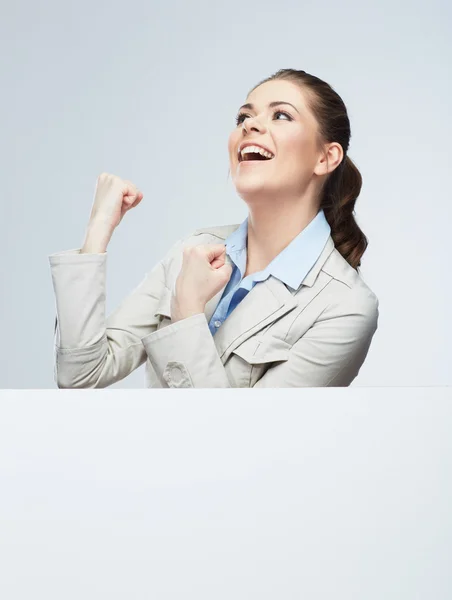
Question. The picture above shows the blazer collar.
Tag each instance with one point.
(267, 301)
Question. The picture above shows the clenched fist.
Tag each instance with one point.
(204, 272)
(113, 198)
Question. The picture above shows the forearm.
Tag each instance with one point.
(90, 350)
(179, 314)
(97, 238)
(79, 288)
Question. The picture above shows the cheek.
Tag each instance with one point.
(296, 157)
(232, 143)
(298, 147)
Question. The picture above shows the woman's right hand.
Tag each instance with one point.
(113, 198)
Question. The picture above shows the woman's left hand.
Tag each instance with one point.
(204, 272)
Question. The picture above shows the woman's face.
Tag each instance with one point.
(288, 131)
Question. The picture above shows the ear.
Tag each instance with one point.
(330, 159)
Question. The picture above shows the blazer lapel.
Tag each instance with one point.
(267, 301)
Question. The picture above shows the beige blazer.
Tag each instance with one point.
(316, 336)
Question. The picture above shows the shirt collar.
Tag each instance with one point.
(294, 262)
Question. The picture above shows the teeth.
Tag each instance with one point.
(256, 149)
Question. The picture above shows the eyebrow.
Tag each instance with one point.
(271, 105)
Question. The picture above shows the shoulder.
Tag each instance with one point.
(348, 290)
(220, 232)
(216, 234)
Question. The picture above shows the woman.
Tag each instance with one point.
(276, 301)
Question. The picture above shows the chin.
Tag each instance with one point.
(251, 186)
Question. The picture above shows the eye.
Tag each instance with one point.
(281, 112)
(241, 116)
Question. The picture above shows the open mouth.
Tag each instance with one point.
(254, 153)
(253, 157)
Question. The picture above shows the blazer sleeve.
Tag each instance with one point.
(90, 350)
(330, 353)
(185, 356)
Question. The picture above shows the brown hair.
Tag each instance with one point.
(343, 185)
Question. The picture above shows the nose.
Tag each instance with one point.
(251, 123)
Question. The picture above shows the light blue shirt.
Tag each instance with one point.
(290, 266)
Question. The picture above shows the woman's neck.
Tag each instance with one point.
(270, 231)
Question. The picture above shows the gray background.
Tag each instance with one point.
(149, 92)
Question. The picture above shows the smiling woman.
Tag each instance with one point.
(275, 301)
